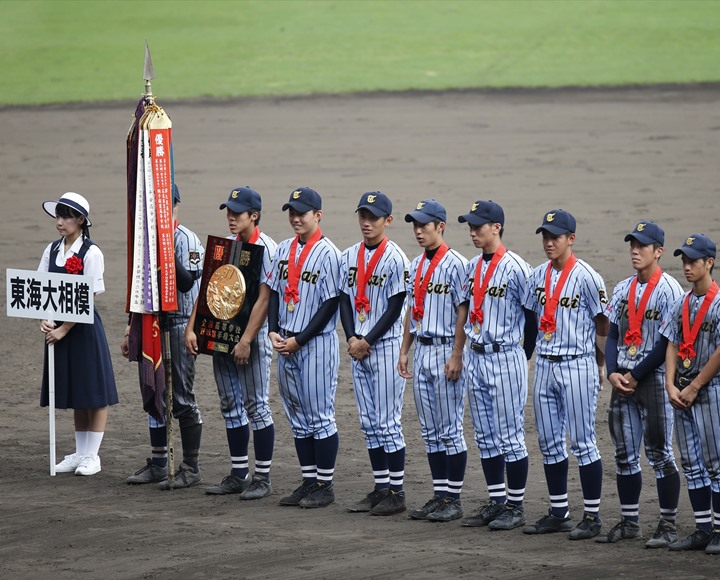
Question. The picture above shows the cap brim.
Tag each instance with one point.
(555, 231)
(419, 217)
(644, 240)
(689, 252)
(373, 210)
(235, 207)
(50, 208)
(473, 220)
(297, 206)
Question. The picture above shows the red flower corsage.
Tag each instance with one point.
(73, 265)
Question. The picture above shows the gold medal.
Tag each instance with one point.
(225, 292)
(418, 326)
(632, 351)
(361, 316)
(291, 306)
(548, 336)
(686, 363)
(476, 328)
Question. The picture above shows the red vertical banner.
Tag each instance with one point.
(160, 143)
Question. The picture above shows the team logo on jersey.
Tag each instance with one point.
(689, 241)
(305, 276)
(194, 258)
(640, 227)
(296, 194)
(420, 205)
(234, 194)
(550, 217)
(371, 198)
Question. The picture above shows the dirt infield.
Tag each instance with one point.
(609, 157)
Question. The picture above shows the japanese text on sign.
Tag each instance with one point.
(50, 296)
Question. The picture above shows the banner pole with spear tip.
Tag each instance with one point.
(152, 289)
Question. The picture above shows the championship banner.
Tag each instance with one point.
(228, 292)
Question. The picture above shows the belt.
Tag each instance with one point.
(683, 382)
(486, 348)
(434, 340)
(287, 334)
(556, 358)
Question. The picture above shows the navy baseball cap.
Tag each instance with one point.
(175, 194)
(427, 211)
(303, 199)
(647, 233)
(376, 203)
(242, 199)
(557, 222)
(484, 212)
(697, 246)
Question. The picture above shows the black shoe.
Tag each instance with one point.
(259, 488)
(369, 501)
(698, 540)
(625, 530)
(150, 473)
(322, 495)
(549, 524)
(664, 535)
(428, 508)
(589, 527)
(713, 546)
(300, 492)
(450, 509)
(393, 503)
(487, 513)
(512, 517)
(230, 484)
(185, 476)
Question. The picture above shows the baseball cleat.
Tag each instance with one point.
(393, 503)
(69, 464)
(369, 501)
(422, 513)
(185, 476)
(589, 527)
(487, 513)
(259, 487)
(698, 540)
(625, 530)
(549, 524)
(665, 535)
(149, 473)
(229, 484)
(300, 492)
(322, 495)
(449, 509)
(713, 546)
(512, 516)
(89, 465)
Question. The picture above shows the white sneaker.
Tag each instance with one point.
(69, 464)
(89, 465)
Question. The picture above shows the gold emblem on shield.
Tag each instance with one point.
(226, 291)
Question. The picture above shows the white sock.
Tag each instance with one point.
(94, 438)
(81, 443)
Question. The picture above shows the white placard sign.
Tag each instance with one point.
(50, 296)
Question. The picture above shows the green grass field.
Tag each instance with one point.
(62, 51)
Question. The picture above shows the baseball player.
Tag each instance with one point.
(639, 407)
(242, 376)
(569, 298)
(189, 255)
(692, 381)
(438, 313)
(302, 316)
(372, 280)
(496, 365)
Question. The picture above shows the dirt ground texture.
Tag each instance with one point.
(611, 157)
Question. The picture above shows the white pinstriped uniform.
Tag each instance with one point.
(439, 401)
(378, 387)
(308, 377)
(565, 393)
(698, 429)
(497, 382)
(244, 390)
(646, 415)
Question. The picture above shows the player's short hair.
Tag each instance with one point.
(705, 259)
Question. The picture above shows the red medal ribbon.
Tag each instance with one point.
(254, 237)
(295, 266)
(362, 304)
(687, 349)
(420, 288)
(635, 315)
(547, 322)
(476, 315)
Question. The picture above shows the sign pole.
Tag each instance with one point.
(51, 404)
